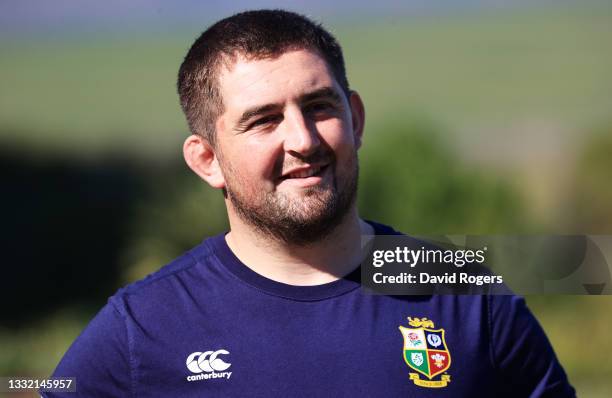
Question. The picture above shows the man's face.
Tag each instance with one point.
(286, 145)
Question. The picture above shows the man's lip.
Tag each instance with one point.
(320, 166)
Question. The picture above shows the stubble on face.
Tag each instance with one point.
(298, 221)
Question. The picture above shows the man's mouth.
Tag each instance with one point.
(305, 172)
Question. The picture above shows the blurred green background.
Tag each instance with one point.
(480, 119)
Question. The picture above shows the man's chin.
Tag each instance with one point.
(300, 227)
(298, 192)
(297, 216)
(302, 231)
(311, 199)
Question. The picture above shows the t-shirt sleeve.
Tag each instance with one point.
(521, 351)
(99, 359)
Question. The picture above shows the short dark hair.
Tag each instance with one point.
(256, 34)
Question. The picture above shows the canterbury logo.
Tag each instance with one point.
(198, 362)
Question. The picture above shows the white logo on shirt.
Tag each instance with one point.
(207, 365)
(434, 340)
(417, 358)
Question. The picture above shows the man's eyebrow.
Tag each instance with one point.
(256, 111)
(325, 92)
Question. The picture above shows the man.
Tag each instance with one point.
(274, 307)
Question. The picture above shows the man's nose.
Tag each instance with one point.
(301, 136)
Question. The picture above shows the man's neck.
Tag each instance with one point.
(325, 261)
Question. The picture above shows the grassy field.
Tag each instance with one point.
(487, 69)
(472, 73)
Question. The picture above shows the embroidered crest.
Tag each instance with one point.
(425, 351)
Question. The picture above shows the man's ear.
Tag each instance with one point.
(201, 158)
(357, 116)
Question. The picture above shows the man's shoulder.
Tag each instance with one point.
(383, 229)
(162, 280)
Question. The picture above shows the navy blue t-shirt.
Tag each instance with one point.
(206, 325)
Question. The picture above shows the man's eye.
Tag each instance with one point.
(263, 121)
(319, 107)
